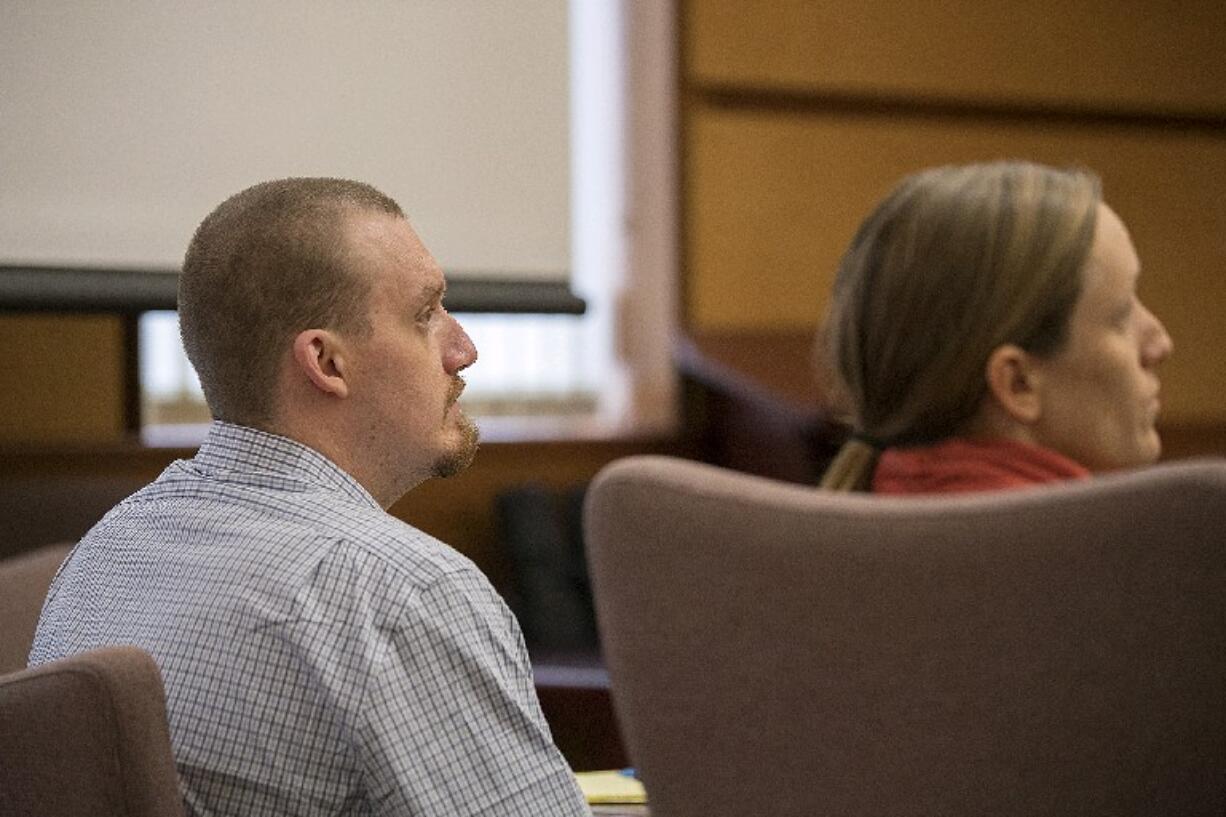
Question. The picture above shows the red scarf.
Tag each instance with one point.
(960, 465)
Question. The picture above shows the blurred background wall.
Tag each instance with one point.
(798, 116)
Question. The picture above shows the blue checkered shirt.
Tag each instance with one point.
(321, 657)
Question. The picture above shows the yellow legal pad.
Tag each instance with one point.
(614, 786)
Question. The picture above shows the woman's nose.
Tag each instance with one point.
(1157, 344)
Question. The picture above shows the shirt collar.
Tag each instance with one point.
(235, 449)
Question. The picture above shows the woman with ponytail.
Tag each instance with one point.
(985, 333)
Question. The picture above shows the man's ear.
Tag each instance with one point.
(321, 356)
(1014, 382)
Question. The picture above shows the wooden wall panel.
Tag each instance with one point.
(63, 379)
(773, 201)
(1139, 55)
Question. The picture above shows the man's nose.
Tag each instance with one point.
(460, 352)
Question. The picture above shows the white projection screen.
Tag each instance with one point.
(123, 123)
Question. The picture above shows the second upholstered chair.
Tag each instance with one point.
(87, 737)
(24, 580)
(775, 649)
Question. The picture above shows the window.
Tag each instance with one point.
(530, 366)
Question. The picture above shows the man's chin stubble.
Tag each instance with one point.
(459, 458)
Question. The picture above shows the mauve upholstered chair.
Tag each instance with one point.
(24, 580)
(775, 649)
(87, 737)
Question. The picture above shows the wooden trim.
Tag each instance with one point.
(685, 227)
(767, 99)
(681, 231)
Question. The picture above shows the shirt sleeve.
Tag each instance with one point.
(451, 724)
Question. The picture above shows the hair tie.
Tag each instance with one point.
(869, 440)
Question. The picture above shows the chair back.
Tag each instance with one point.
(87, 736)
(775, 649)
(24, 580)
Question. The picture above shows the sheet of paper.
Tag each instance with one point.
(612, 786)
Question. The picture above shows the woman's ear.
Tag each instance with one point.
(321, 357)
(1014, 383)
